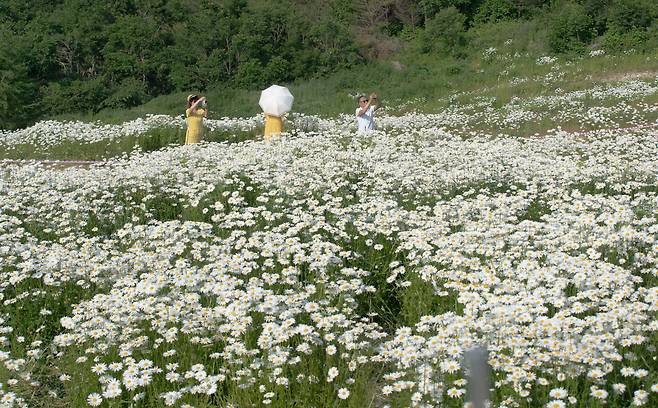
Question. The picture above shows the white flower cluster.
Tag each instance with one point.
(46, 134)
(489, 53)
(546, 60)
(254, 266)
(51, 133)
(615, 104)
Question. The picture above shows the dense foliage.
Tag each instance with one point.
(80, 55)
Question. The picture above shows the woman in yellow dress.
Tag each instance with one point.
(194, 115)
(273, 126)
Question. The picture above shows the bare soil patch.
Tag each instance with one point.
(627, 76)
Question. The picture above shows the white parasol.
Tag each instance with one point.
(276, 100)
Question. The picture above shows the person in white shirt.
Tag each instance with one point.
(365, 113)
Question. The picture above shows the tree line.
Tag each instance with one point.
(59, 56)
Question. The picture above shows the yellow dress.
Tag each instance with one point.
(194, 126)
(273, 126)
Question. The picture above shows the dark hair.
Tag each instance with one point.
(191, 99)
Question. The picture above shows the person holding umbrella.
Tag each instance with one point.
(194, 114)
(365, 113)
(275, 101)
(273, 126)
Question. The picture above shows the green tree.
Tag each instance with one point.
(74, 96)
(598, 10)
(445, 32)
(429, 8)
(17, 91)
(625, 15)
(250, 74)
(343, 11)
(332, 47)
(24, 11)
(495, 10)
(132, 44)
(130, 92)
(631, 25)
(570, 28)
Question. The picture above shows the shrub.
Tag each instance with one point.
(570, 28)
(131, 92)
(78, 95)
(445, 32)
(454, 69)
(495, 10)
(17, 89)
(631, 25)
(629, 15)
(430, 8)
(277, 70)
(598, 10)
(250, 75)
(525, 35)
(616, 41)
(652, 35)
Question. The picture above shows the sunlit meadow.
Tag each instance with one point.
(334, 269)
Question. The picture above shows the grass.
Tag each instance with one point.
(430, 77)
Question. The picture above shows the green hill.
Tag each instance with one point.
(116, 59)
